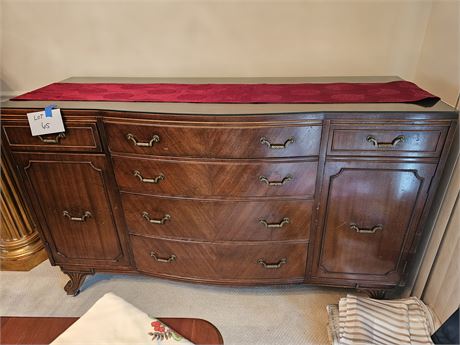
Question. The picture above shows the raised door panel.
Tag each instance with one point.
(372, 211)
(71, 193)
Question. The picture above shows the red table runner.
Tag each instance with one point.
(390, 92)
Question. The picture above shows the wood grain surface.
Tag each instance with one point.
(78, 136)
(253, 261)
(242, 141)
(217, 178)
(43, 330)
(356, 184)
(218, 220)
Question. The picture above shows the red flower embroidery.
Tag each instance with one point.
(157, 326)
(161, 332)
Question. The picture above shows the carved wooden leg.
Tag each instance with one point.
(374, 293)
(76, 280)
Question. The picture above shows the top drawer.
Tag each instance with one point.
(214, 141)
(387, 140)
(77, 137)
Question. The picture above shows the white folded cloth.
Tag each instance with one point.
(112, 320)
(362, 321)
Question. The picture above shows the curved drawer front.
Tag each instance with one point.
(174, 258)
(214, 142)
(217, 220)
(171, 218)
(262, 261)
(208, 178)
(411, 141)
(263, 221)
(234, 262)
(77, 137)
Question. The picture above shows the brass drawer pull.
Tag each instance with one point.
(396, 141)
(276, 183)
(83, 218)
(157, 258)
(155, 139)
(265, 141)
(366, 230)
(274, 225)
(156, 221)
(148, 180)
(272, 266)
(52, 141)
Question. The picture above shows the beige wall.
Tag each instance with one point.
(46, 41)
(438, 67)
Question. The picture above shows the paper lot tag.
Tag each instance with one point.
(40, 124)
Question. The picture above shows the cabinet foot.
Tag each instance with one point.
(75, 282)
(374, 293)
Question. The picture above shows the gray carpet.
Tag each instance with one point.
(256, 315)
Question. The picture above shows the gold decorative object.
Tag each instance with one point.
(20, 246)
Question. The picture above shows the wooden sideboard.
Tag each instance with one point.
(240, 194)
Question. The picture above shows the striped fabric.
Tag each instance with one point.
(333, 323)
(363, 321)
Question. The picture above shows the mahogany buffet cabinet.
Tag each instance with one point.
(238, 194)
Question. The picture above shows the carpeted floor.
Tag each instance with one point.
(256, 315)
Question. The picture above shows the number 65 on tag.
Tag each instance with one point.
(41, 124)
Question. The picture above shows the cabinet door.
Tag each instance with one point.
(369, 220)
(71, 199)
